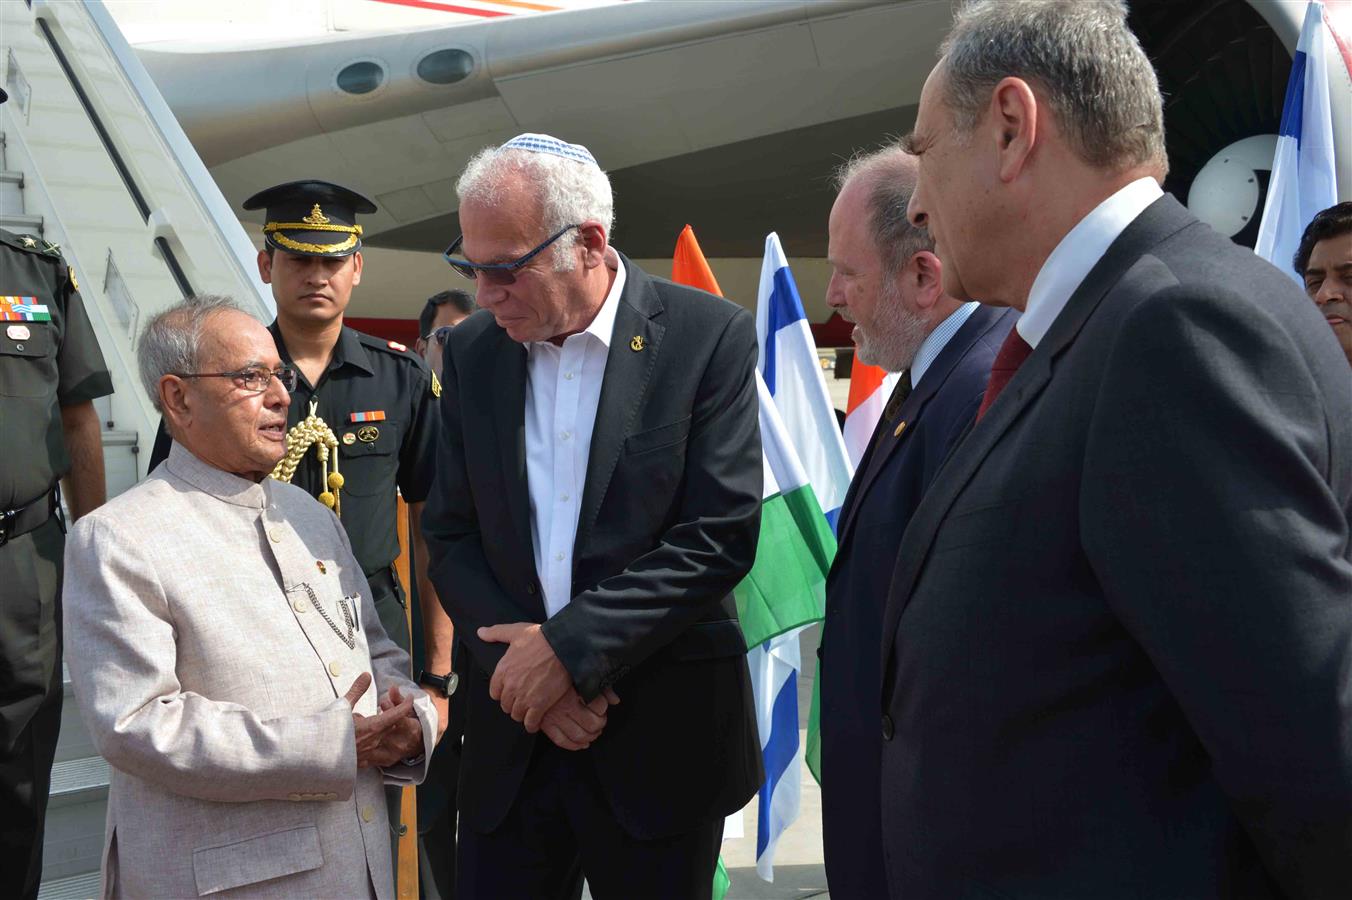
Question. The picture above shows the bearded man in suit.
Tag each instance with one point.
(1118, 639)
(885, 279)
(223, 644)
(597, 499)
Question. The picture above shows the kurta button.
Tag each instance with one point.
(334, 668)
(887, 728)
(275, 535)
(367, 814)
(299, 605)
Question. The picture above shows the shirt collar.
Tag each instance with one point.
(937, 339)
(348, 351)
(1078, 253)
(215, 482)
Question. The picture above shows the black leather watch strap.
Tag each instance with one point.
(443, 684)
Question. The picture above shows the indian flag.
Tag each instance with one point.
(870, 388)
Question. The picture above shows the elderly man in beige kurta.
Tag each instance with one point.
(216, 626)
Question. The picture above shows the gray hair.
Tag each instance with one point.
(890, 175)
(570, 191)
(1081, 53)
(171, 340)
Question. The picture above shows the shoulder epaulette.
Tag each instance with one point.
(31, 243)
(392, 347)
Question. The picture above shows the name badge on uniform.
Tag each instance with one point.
(23, 309)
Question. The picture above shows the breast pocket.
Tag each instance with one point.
(27, 360)
(659, 438)
(369, 456)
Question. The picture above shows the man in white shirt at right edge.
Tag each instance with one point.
(1117, 647)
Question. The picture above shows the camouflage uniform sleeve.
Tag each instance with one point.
(84, 375)
(417, 457)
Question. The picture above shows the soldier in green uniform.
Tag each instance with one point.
(363, 416)
(51, 371)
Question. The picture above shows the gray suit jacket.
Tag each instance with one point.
(212, 684)
(1117, 649)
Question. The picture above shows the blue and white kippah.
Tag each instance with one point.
(543, 143)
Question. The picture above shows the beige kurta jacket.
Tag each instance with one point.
(212, 683)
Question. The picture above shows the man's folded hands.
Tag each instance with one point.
(389, 737)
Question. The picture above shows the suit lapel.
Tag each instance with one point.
(1161, 219)
(623, 390)
(978, 323)
(507, 402)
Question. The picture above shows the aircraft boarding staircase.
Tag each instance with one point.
(92, 160)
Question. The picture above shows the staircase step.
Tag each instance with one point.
(76, 887)
(78, 781)
(21, 223)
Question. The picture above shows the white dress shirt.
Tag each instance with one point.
(938, 339)
(563, 388)
(1078, 253)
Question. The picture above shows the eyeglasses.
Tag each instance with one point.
(440, 334)
(497, 273)
(255, 379)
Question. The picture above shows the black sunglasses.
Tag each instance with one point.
(255, 379)
(497, 273)
(438, 334)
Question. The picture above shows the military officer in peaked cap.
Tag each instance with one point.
(51, 371)
(362, 418)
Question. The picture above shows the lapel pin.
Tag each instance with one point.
(636, 343)
(900, 428)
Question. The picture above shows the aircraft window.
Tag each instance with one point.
(361, 77)
(445, 66)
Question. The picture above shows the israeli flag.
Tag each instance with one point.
(794, 380)
(792, 372)
(1303, 179)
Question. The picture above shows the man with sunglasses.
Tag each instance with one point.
(229, 663)
(442, 312)
(375, 396)
(597, 499)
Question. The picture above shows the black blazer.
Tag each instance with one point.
(1117, 650)
(887, 487)
(669, 521)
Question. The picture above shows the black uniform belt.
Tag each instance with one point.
(28, 517)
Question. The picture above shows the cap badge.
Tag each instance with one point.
(368, 433)
(316, 217)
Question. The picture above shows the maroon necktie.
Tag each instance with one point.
(1012, 354)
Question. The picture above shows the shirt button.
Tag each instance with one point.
(367, 813)
(563, 498)
(887, 728)
(335, 668)
(568, 376)
(558, 557)
(299, 605)
(275, 535)
(563, 436)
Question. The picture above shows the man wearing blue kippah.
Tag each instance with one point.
(594, 508)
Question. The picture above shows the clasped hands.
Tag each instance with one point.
(389, 737)
(536, 690)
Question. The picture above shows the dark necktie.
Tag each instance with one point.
(1012, 354)
(893, 407)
